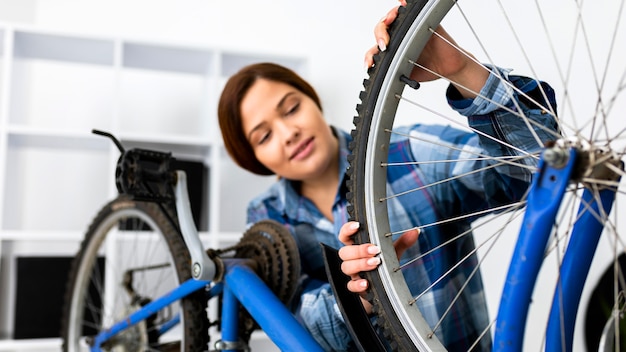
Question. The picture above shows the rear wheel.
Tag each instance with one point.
(132, 254)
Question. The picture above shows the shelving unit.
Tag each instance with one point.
(55, 175)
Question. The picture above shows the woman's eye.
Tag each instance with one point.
(264, 137)
(294, 108)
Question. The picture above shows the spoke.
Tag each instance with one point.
(466, 151)
(454, 121)
(530, 65)
(511, 210)
(477, 37)
(612, 101)
(486, 331)
(428, 162)
(493, 237)
(440, 182)
(483, 212)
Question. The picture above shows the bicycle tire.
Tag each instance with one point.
(385, 297)
(381, 101)
(96, 298)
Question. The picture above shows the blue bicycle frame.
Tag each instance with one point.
(239, 280)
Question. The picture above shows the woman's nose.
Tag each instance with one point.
(293, 136)
(290, 133)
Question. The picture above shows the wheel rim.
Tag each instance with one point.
(116, 305)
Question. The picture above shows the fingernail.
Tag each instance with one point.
(354, 225)
(381, 45)
(373, 261)
(373, 249)
(363, 283)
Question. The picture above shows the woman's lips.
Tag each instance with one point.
(303, 150)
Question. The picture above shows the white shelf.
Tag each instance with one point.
(65, 48)
(55, 174)
(41, 236)
(38, 345)
(194, 61)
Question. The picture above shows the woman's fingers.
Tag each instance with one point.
(358, 285)
(381, 34)
(359, 258)
(364, 257)
(369, 56)
(366, 250)
(347, 231)
(359, 251)
(355, 266)
(405, 241)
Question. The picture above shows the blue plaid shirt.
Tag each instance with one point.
(317, 309)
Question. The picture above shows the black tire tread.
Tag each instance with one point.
(388, 322)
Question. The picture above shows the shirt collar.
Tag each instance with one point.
(295, 207)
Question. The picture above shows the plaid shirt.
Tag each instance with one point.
(317, 309)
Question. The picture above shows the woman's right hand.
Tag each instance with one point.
(441, 55)
(381, 34)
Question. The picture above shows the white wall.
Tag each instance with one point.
(333, 34)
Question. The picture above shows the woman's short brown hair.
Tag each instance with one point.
(229, 109)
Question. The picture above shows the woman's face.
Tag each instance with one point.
(287, 131)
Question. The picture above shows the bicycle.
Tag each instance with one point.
(142, 278)
(582, 167)
(591, 161)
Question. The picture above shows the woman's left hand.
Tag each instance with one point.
(363, 257)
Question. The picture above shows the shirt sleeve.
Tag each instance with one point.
(496, 92)
(514, 118)
(511, 120)
(512, 115)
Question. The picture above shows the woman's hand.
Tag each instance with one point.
(363, 257)
(441, 55)
(382, 35)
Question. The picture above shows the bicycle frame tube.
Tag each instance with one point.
(268, 311)
(230, 320)
(242, 286)
(213, 292)
(169, 324)
(576, 262)
(544, 197)
(181, 291)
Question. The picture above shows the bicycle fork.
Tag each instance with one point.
(557, 168)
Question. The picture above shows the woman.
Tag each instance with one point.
(272, 123)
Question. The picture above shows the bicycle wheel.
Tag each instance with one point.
(579, 50)
(131, 255)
